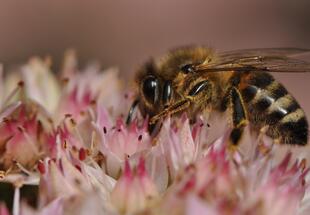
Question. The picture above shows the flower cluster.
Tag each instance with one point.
(65, 134)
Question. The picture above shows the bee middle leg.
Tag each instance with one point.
(239, 117)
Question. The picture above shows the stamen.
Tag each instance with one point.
(22, 168)
(13, 93)
(82, 154)
(16, 201)
(91, 113)
(2, 174)
(58, 147)
(78, 133)
(140, 137)
(93, 143)
(41, 167)
(303, 164)
(8, 110)
(65, 144)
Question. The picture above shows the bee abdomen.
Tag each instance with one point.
(294, 129)
(270, 104)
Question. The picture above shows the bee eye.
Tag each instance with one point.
(167, 92)
(150, 89)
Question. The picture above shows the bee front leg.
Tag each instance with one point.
(239, 117)
(131, 112)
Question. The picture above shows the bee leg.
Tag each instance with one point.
(132, 111)
(174, 108)
(194, 94)
(239, 117)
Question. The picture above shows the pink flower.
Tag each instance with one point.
(220, 185)
(134, 192)
(74, 145)
(180, 144)
(92, 86)
(38, 82)
(118, 142)
(22, 133)
(68, 183)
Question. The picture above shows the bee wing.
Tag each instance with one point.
(264, 52)
(268, 60)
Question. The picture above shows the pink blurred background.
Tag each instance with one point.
(126, 33)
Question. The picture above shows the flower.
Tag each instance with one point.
(220, 185)
(118, 143)
(36, 81)
(181, 145)
(67, 136)
(22, 131)
(134, 191)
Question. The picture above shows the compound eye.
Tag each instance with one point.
(150, 89)
(167, 92)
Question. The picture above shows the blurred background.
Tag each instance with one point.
(126, 33)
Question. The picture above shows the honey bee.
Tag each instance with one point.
(195, 80)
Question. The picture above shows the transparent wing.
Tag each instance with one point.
(269, 60)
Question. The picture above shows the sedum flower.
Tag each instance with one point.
(22, 135)
(180, 144)
(38, 83)
(219, 184)
(66, 135)
(134, 191)
(118, 143)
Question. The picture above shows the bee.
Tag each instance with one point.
(195, 80)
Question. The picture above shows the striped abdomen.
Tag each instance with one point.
(269, 103)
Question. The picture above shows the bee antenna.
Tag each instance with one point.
(132, 111)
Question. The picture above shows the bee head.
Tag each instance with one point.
(160, 82)
(153, 90)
